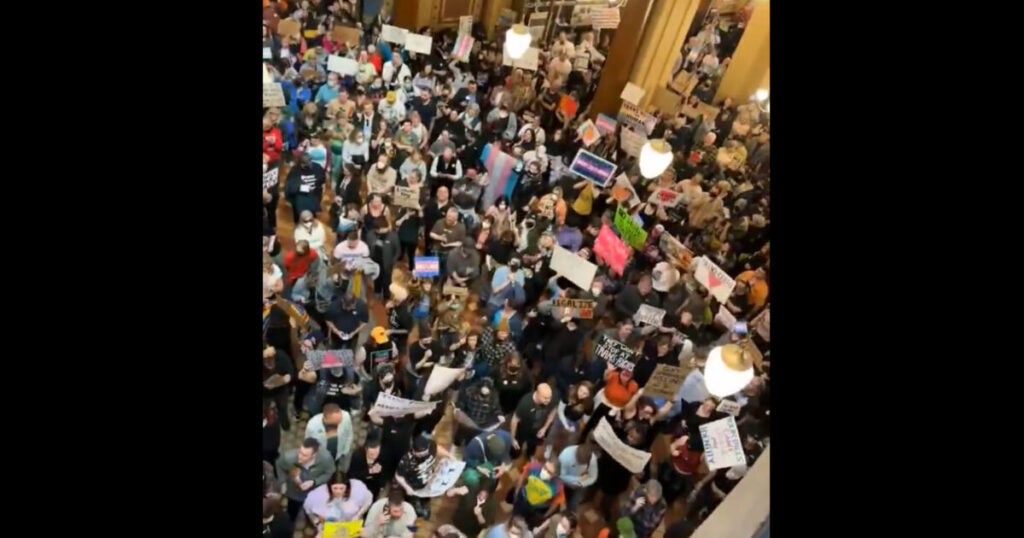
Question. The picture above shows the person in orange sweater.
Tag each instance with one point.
(619, 389)
(271, 142)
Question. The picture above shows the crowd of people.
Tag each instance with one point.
(341, 152)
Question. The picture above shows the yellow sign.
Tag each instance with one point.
(343, 529)
(537, 491)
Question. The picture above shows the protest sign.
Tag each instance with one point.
(342, 65)
(330, 358)
(568, 106)
(666, 101)
(418, 43)
(604, 18)
(590, 166)
(288, 28)
(615, 353)
(632, 93)
(630, 232)
(722, 444)
(606, 124)
(581, 62)
(713, 278)
(465, 25)
(426, 266)
(685, 82)
(760, 323)
(388, 405)
(729, 406)
(665, 197)
(267, 54)
(580, 16)
(611, 249)
(407, 197)
(393, 34)
(346, 34)
(270, 179)
(457, 291)
(440, 378)
(579, 271)
(580, 308)
(631, 141)
(623, 191)
(272, 94)
(675, 250)
(463, 48)
(446, 474)
(529, 61)
(632, 459)
(339, 529)
(588, 133)
(724, 318)
(707, 110)
(637, 119)
(649, 315)
(665, 381)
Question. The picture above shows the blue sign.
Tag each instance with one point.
(426, 266)
(590, 166)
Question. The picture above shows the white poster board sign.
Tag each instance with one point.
(632, 459)
(465, 25)
(722, 444)
(440, 378)
(418, 43)
(729, 406)
(340, 64)
(388, 405)
(632, 93)
(631, 141)
(445, 476)
(602, 18)
(713, 278)
(579, 271)
(530, 60)
(724, 318)
(393, 34)
(649, 315)
(272, 94)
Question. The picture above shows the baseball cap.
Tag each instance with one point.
(379, 334)
(391, 97)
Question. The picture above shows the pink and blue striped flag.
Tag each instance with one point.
(500, 166)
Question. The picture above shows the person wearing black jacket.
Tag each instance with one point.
(349, 184)
(559, 352)
(467, 94)
(278, 372)
(367, 465)
(368, 120)
(304, 187)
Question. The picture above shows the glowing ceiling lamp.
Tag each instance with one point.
(655, 157)
(517, 40)
(761, 94)
(728, 369)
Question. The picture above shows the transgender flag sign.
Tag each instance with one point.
(590, 166)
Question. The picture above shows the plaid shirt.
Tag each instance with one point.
(483, 410)
(493, 351)
(648, 517)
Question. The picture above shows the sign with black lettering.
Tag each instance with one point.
(615, 353)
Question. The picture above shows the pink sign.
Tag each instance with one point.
(611, 249)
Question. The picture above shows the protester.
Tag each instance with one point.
(300, 470)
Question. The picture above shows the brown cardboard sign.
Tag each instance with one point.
(288, 28)
(346, 34)
(665, 381)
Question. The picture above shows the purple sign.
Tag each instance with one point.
(590, 166)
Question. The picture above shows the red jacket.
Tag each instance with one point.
(377, 61)
(272, 144)
(295, 266)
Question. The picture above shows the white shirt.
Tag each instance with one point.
(317, 237)
(343, 252)
(388, 73)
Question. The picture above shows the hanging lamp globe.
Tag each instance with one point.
(728, 370)
(655, 157)
(517, 40)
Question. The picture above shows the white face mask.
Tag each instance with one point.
(545, 475)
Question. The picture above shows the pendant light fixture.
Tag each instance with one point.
(728, 369)
(517, 41)
(655, 157)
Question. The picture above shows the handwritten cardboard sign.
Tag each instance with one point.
(675, 250)
(665, 197)
(581, 62)
(637, 119)
(407, 197)
(457, 291)
(588, 133)
(632, 93)
(346, 34)
(761, 324)
(712, 277)
(273, 95)
(724, 318)
(723, 446)
(393, 34)
(631, 141)
(615, 353)
(630, 232)
(631, 458)
(665, 381)
(579, 271)
(418, 43)
(602, 18)
(342, 65)
(649, 315)
(579, 308)
(465, 25)
(610, 248)
(685, 82)
(729, 406)
(288, 28)
(388, 405)
(666, 101)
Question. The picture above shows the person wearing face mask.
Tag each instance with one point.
(395, 72)
(328, 92)
(396, 431)
(355, 151)
(391, 108)
(382, 177)
(539, 493)
(557, 526)
(366, 464)
(304, 186)
(416, 469)
(477, 409)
